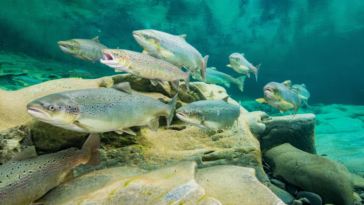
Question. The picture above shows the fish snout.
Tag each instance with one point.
(35, 109)
(137, 34)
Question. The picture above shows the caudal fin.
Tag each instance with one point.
(203, 68)
(256, 74)
(172, 108)
(187, 80)
(92, 145)
(240, 82)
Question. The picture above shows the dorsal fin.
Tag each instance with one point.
(125, 87)
(27, 153)
(226, 98)
(288, 84)
(96, 39)
(303, 85)
(183, 36)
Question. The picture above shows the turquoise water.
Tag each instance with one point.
(318, 43)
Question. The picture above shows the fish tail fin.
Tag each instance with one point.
(240, 82)
(187, 80)
(172, 108)
(92, 145)
(256, 74)
(203, 68)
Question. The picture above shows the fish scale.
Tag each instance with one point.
(145, 66)
(20, 177)
(101, 109)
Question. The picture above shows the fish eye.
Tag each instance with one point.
(51, 108)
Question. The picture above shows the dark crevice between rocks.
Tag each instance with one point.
(176, 127)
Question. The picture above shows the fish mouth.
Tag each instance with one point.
(268, 89)
(179, 114)
(135, 34)
(36, 112)
(108, 58)
(65, 48)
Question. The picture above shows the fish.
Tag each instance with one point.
(171, 48)
(301, 90)
(279, 96)
(80, 73)
(241, 65)
(145, 66)
(26, 81)
(26, 178)
(215, 77)
(98, 110)
(210, 114)
(85, 49)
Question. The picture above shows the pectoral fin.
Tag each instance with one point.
(227, 85)
(86, 58)
(68, 176)
(154, 124)
(128, 130)
(165, 53)
(248, 74)
(285, 105)
(78, 124)
(302, 97)
(175, 84)
(282, 111)
(27, 153)
(154, 82)
(261, 100)
(145, 52)
(124, 86)
(228, 65)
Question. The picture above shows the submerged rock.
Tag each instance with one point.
(13, 141)
(313, 198)
(327, 178)
(173, 184)
(235, 185)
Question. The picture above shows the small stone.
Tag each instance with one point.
(362, 195)
(278, 183)
(313, 198)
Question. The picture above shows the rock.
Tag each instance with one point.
(299, 132)
(291, 189)
(297, 202)
(13, 141)
(254, 120)
(173, 184)
(278, 183)
(329, 179)
(235, 185)
(282, 194)
(358, 181)
(357, 198)
(362, 195)
(344, 124)
(312, 197)
(345, 147)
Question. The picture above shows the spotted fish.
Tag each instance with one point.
(210, 114)
(24, 180)
(241, 65)
(99, 110)
(171, 48)
(279, 95)
(145, 66)
(215, 77)
(85, 49)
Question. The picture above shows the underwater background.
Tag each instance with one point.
(318, 43)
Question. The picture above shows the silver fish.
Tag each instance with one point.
(210, 114)
(171, 48)
(24, 180)
(101, 110)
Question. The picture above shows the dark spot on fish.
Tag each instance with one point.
(7, 175)
(30, 172)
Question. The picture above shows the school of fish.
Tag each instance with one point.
(27, 177)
